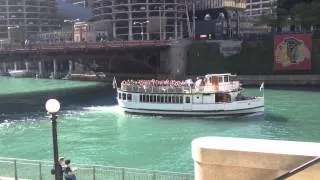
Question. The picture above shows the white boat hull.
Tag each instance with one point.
(244, 107)
(197, 113)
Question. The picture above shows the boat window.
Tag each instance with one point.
(158, 99)
(140, 98)
(148, 98)
(173, 99)
(161, 99)
(181, 100)
(169, 99)
(129, 97)
(119, 95)
(154, 97)
(187, 99)
(151, 98)
(144, 98)
(226, 79)
(124, 96)
(220, 78)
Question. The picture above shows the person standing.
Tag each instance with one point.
(69, 171)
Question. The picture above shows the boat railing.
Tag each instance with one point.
(180, 89)
(154, 89)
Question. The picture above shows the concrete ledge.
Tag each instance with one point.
(219, 158)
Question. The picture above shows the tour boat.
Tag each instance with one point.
(210, 95)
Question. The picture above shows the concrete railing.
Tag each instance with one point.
(218, 158)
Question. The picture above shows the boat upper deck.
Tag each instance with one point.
(174, 86)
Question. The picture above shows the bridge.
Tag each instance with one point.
(149, 56)
(79, 46)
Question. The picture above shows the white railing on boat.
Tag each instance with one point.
(231, 86)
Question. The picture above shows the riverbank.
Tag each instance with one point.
(247, 80)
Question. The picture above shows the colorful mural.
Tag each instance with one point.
(292, 52)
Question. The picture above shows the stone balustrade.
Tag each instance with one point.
(219, 158)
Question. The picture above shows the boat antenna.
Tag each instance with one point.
(114, 83)
(262, 88)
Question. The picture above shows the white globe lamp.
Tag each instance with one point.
(52, 106)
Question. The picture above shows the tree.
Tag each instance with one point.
(306, 15)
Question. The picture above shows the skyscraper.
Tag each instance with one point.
(259, 7)
(21, 18)
(82, 3)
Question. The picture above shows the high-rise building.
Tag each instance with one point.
(141, 19)
(21, 18)
(81, 3)
(259, 7)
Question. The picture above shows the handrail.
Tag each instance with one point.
(299, 169)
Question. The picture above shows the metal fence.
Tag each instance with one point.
(41, 170)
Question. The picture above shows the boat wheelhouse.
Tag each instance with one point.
(211, 95)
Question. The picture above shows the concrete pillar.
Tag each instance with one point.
(70, 71)
(178, 58)
(40, 68)
(27, 65)
(55, 68)
(130, 22)
(114, 30)
(181, 29)
(4, 67)
(15, 65)
(221, 158)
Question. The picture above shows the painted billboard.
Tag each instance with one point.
(292, 52)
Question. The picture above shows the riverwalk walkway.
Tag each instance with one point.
(23, 169)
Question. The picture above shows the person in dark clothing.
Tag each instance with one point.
(69, 171)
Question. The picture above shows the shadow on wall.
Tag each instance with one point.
(255, 57)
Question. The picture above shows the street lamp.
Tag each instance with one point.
(141, 26)
(72, 21)
(9, 31)
(52, 107)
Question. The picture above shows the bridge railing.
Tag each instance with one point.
(76, 45)
(41, 170)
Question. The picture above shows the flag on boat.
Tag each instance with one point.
(114, 83)
(262, 86)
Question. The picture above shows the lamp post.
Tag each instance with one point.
(141, 26)
(72, 21)
(9, 32)
(52, 107)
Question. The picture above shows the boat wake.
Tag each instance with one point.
(113, 109)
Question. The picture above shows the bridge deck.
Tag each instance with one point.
(83, 45)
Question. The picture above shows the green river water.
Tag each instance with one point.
(93, 130)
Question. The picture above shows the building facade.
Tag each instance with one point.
(259, 7)
(21, 18)
(216, 19)
(81, 3)
(141, 19)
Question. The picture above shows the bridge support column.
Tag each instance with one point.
(15, 65)
(27, 65)
(4, 67)
(55, 68)
(178, 59)
(70, 71)
(79, 67)
(40, 68)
